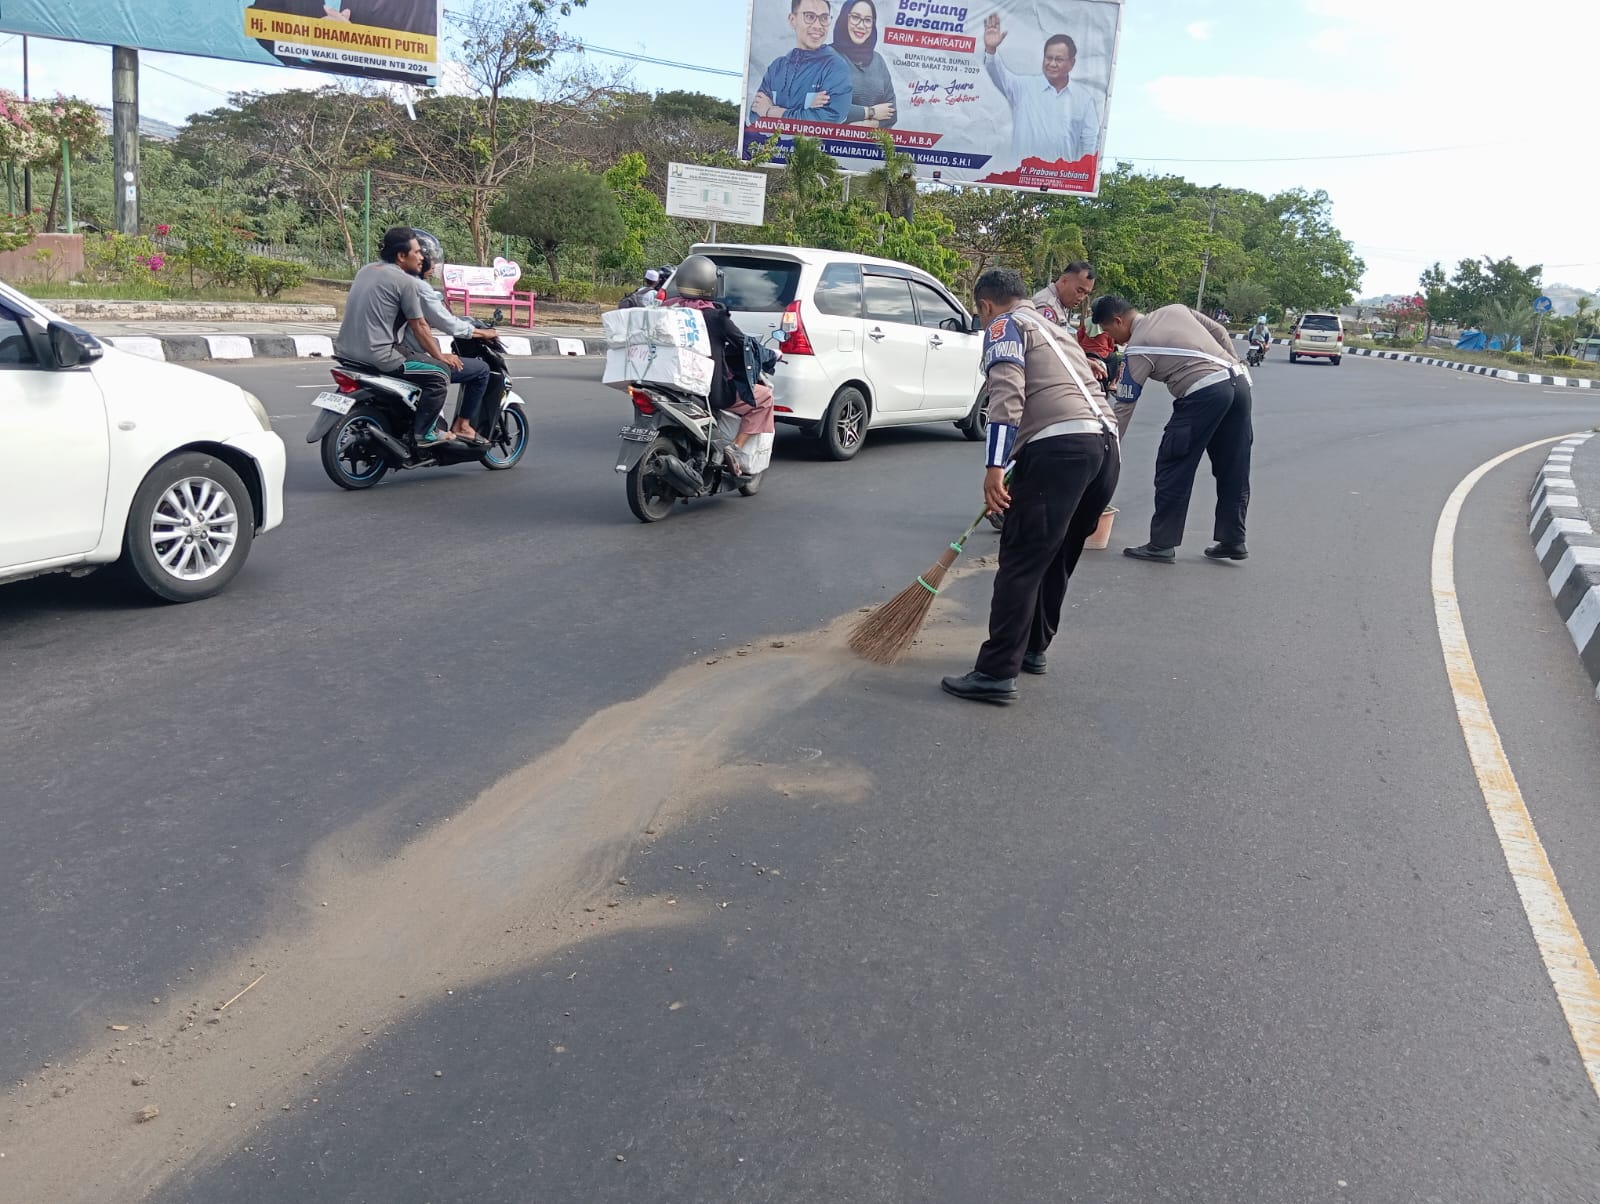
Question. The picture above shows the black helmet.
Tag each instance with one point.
(696, 277)
(432, 252)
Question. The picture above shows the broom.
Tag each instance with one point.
(885, 635)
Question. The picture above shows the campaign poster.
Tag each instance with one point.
(1006, 93)
(376, 39)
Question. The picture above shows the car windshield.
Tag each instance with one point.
(1319, 322)
(759, 285)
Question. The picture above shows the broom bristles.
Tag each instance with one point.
(886, 634)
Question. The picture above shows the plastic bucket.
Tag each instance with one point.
(1101, 539)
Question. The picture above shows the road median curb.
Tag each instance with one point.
(1568, 548)
(206, 348)
(1432, 361)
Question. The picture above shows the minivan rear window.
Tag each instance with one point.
(1319, 322)
(757, 285)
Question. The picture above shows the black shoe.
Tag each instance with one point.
(1227, 551)
(1033, 662)
(980, 687)
(1152, 553)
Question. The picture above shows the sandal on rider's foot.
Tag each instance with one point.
(434, 438)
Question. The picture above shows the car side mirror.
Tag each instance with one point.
(977, 324)
(71, 347)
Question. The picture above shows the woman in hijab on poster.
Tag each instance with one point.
(855, 39)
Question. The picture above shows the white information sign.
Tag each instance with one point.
(714, 194)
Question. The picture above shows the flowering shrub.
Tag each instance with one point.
(65, 117)
(21, 139)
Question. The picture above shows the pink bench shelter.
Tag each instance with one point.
(491, 288)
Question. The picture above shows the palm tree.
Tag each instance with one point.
(895, 182)
(1059, 243)
(811, 172)
(1511, 319)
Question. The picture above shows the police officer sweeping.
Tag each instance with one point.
(1047, 413)
(1193, 356)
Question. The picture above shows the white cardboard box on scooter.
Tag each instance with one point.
(658, 346)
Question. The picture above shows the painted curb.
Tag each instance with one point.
(1568, 549)
(1405, 357)
(200, 348)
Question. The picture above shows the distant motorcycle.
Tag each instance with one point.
(366, 425)
(1256, 354)
(677, 448)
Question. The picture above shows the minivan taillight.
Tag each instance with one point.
(1341, 336)
(641, 401)
(795, 339)
(346, 384)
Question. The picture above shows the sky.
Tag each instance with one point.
(1441, 129)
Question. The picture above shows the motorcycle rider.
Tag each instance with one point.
(386, 297)
(734, 387)
(473, 375)
(1261, 335)
(647, 295)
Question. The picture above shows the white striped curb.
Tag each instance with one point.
(1568, 549)
(1506, 374)
(189, 348)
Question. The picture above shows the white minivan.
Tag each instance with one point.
(867, 342)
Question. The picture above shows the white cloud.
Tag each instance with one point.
(1254, 102)
(1200, 31)
(1331, 41)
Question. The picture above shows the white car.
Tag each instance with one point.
(115, 458)
(868, 342)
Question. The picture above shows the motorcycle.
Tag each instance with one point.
(366, 425)
(677, 448)
(1257, 353)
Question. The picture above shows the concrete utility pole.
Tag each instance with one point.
(27, 172)
(125, 137)
(1205, 264)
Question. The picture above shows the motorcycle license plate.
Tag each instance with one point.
(337, 402)
(638, 434)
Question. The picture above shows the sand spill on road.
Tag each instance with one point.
(523, 871)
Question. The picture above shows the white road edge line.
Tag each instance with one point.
(1561, 945)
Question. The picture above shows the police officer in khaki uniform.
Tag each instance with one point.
(1047, 413)
(1194, 357)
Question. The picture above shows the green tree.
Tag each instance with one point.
(644, 218)
(1247, 298)
(1301, 257)
(560, 209)
(470, 146)
(1435, 296)
(1481, 288)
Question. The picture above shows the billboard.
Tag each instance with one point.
(1009, 93)
(380, 39)
(714, 195)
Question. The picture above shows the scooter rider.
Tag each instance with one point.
(1261, 335)
(473, 375)
(733, 388)
(386, 297)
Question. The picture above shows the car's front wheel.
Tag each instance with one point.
(189, 528)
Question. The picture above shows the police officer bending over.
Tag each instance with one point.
(1193, 356)
(1046, 412)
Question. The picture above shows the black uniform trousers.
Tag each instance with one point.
(1059, 489)
(1213, 421)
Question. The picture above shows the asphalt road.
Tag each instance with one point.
(548, 875)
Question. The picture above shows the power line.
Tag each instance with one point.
(1424, 150)
(582, 47)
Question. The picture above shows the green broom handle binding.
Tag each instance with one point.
(976, 523)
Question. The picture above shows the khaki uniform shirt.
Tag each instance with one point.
(1182, 329)
(1029, 387)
